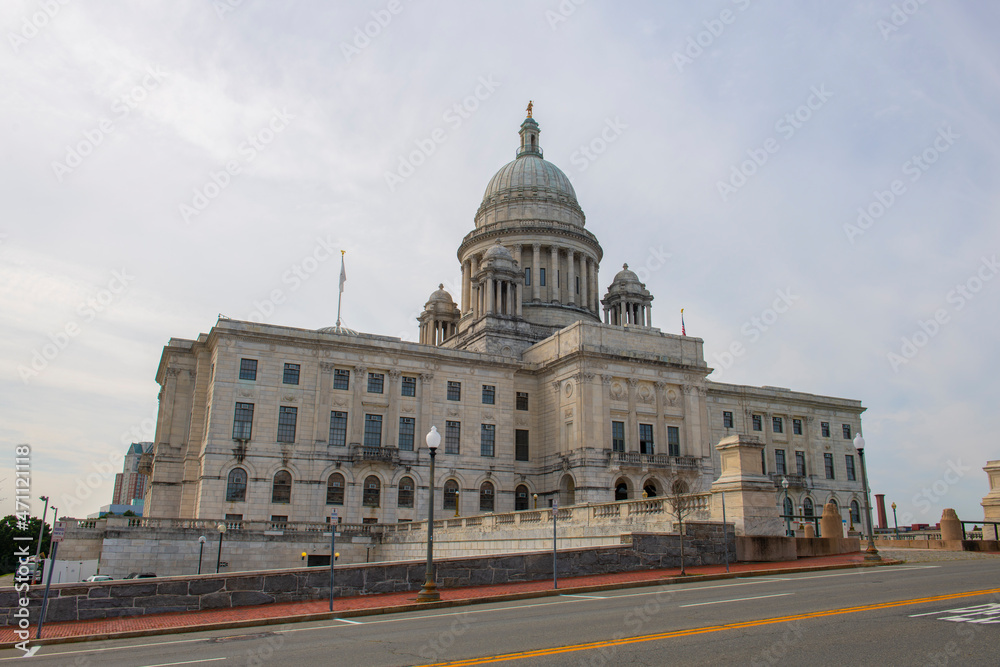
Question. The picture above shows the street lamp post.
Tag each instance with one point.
(784, 508)
(894, 522)
(871, 553)
(535, 497)
(222, 531)
(429, 592)
(41, 532)
(201, 550)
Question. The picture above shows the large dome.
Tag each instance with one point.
(529, 188)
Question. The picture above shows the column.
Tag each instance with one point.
(474, 295)
(554, 276)
(356, 419)
(391, 430)
(536, 258)
(585, 281)
(491, 297)
(519, 291)
(466, 286)
(595, 288)
(649, 315)
(518, 258)
(571, 282)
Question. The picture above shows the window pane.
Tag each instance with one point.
(487, 439)
(451, 495)
(797, 427)
(521, 402)
(291, 374)
(243, 421)
(779, 461)
(454, 391)
(521, 497)
(409, 386)
(777, 425)
(527, 276)
(341, 379)
(407, 427)
(452, 436)
(372, 492)
(248, 369)
(338, 428)
(758, 423)
(541, 276)
(645, 438)
(375, 383)
(405, 494)
(618, 436)
(800, 463)
(673, 441)
(373, 430)
(486, 497)
(847, 431)
(828, 464)
(281, 488)
(727, 419)
(489, 394)
(335, 489)
(851, 474)
(824, 428)
(286, 423)
(521, 452)
(236, 486)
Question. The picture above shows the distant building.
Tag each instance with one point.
(130, 484)
(542, 389)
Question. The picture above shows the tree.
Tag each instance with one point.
(680, 497)
(8, 545)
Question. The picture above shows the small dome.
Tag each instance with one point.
(626, 276)
(627, 283)
(441, 296)
(497, 251)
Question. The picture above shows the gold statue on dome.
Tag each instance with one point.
(530, 104)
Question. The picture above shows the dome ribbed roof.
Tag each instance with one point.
(530, 175)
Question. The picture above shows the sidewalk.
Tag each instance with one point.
(385, 603)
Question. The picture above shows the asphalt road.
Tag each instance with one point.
(923, 614)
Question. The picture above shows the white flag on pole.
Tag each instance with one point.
(343, 273)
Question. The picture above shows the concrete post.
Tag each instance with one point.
(951, 527)
(831, 524)
(751, 497)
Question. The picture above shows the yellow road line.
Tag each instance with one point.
(713, 628)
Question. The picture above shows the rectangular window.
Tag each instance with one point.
(409, 386)
(847, 431)
(852, 475)
(521, 445)
(521, 401)
(279, 518)
(758, 423)
(541, 276)
(800, 463)
(338, 428)
(763, 462)
(673, 441)
(234, 517)
(452, 437)
(373, 430)
(618, 436)
(487, 439)
(828, 464)
(335, 492)
(645, 438)
(777, 425)
(341, 379)
(489, 394)
(407, 427)
(286, 423)
(824, 428)
(243, 421)
(577, 284)
(291, 374)
(454, 391)
(727, 419)
(796, 427)
(527, 276)
(779, 462)
(558, 278)
(248, 369)
(376, 381)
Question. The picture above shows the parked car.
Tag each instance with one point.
(140, 575)
(99, 577)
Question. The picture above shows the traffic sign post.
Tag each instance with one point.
(555, 573)
(333, 550)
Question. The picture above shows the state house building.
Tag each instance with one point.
(538, 382)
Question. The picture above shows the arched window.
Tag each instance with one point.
(788, 507)
(520, 498)
(486, 497)
(807, 507)
(236, 486)
(836, 505)
(451, 495)
(567, 491)
(621, 490)
(372, 491)
(855, 513)
(281, 488)
(404, 498)
(335, 489)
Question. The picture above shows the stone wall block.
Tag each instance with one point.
(281, 583)
(203, 586)
(215, 601)
(104, 603)
(133, 590)
(172, 588)
(244, 583)
(241, 598)
(183, 601)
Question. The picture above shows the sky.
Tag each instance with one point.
(816, 185)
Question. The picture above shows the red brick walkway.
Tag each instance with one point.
(386, 602)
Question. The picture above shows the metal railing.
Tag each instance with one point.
(664, 461)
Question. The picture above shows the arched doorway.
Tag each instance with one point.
(567, 491)
(621, 489)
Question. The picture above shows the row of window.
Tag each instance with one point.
(778, 425)
(809, 511)
(646, 444)
(371, 491)
(781, 468)
(541, 278)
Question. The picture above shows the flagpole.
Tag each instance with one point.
(343, 277)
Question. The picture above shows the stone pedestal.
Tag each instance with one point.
(750, 496)
(951, 527)
(991, 503)
(830, 524)
(810, 531)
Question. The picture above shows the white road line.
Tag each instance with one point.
(346, 620)
(756, 597)
(32, 651)
(186, 662)
(585, 597)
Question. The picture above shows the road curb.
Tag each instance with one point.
(444, 604)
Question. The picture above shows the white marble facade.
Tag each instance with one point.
(580, 405)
